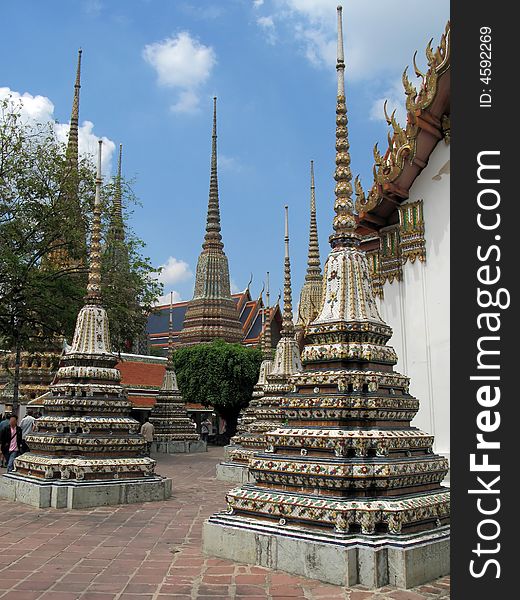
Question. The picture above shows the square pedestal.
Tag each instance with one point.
(179, 447)
(74, 494)
(405, 561)
(234, 473)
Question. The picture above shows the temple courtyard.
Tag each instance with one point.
(149, 551)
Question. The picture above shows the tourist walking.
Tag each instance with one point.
(205, 429)
(147, 430)
(4, 422)
(27, 426)
(11, 442)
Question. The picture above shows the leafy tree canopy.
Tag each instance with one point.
(218, 374)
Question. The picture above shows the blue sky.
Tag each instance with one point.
(150, 69)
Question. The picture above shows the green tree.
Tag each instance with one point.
(129, 281)
(45, 203)
(218, 374)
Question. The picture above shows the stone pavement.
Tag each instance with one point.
(149, 551)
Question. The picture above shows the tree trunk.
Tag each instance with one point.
(16, 379)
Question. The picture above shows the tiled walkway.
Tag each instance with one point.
(148, 551)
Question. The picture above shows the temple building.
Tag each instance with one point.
(310, 295)
(174, 431)
(347, 491)
(86, 451)
(266, 410)
(250, 314)
(212, 313)
(405, 222)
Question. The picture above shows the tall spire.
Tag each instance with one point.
(212, 312)
(344, 223)
(313, 260)
(213, 237)
(170, 379)
(116, 224)
(287, 318)
(267, 350)
(94, 274)
(72, 143)
(311, 292)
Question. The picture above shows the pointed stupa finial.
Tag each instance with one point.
(117, 224)
(213, 237)
(287, 318)
(344, 223)
(94, 274)
(169, 383)
(72, 143)
(267, 349)
(313, 259)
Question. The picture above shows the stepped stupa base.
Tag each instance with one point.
(234, 473)
(403, 561)
(179, 447)
(88, 494)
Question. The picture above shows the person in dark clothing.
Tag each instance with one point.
(11, 442)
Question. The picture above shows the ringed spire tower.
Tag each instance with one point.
(212, 313)
(311, 292)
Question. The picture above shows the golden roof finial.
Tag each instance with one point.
(213, 237)
(287, 318)
(344, 223)
(94, 274)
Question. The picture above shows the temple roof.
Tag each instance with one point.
(250, 316)
(409, 147)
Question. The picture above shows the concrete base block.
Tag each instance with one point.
(234, 473)
(179, 447)
(404, 561)
(60, 494)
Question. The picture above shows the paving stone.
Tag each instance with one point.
(151, 551)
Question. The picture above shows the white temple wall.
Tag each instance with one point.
(418, 307)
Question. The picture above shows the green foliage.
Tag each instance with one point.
(45, 205)
(218, 374)
(129, 284)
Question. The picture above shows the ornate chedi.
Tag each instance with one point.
(310, 295)
(36, 369)
(248, 414)
(86, 450)
(212, 313)
(267, 412)
(174, 431)
(347, 491)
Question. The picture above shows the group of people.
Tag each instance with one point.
(13, 437)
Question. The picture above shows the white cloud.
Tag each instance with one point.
(234, 287)
(396, 98)
(378, 38)
(258, 3)
(183, 64)
(174, 271)
(165, 298)
(40, 109)
(267, 24)
(229, 163)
